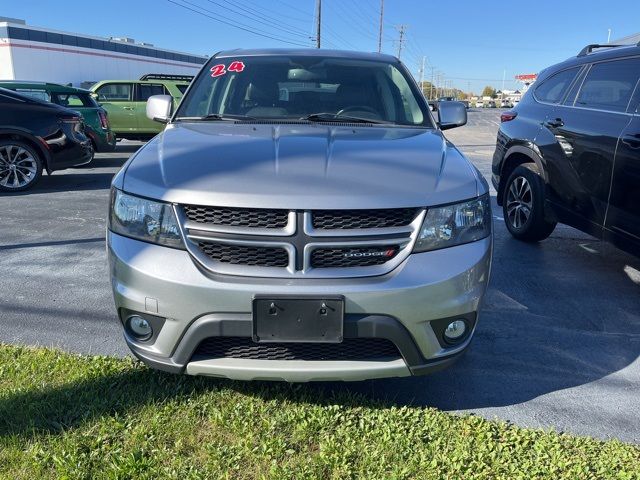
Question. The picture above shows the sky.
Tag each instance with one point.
(469, 44)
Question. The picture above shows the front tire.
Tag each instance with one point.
(523, 205)
(20, 166)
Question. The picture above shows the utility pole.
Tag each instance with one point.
(319, 21)
(402, 29)
(381, 23)
(504, 74)
(431, 86)
(424, 59)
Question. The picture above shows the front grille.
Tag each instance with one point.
(245, 255)
(349, 349)
(300, 243)
(238, 217)
(350, 219)
(352, 257)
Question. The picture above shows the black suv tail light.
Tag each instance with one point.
(508, 116)
(76, 122)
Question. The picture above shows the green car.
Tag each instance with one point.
(95, 117)
(126, 101)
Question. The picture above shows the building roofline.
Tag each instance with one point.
(94, 37)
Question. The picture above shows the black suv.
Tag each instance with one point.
(570, 151)
(37, 135)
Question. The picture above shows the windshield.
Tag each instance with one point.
(299, 87)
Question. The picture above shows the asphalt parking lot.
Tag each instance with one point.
(557, 345)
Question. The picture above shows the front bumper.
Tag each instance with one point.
(405, 306)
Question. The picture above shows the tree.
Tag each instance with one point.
(489, 92)
(428, 89)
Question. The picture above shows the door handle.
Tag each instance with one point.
(554, 123)
(632, 141)
(127, 108)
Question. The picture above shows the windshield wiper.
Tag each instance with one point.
(334, 117)
(219, 116)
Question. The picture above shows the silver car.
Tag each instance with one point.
(302, 217)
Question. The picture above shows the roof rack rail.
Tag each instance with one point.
(166, 76)
(591, 47)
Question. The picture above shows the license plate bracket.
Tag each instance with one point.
(298, 319)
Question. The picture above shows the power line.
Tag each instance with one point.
(295, 8)
(262, 17)
(232, 23)
(260, 20)
(354, 23)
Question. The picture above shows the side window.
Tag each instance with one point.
(182, 88)
(115, 92)
(552, 90)
(609, 85)
(146, 90)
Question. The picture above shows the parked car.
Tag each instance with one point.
(569, 152)
(329, 232)
(506, 104)
(125, 100)
(95, 117)
(490, 104)
(479, 104)
(36, 136)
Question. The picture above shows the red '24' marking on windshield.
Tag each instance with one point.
(221, 68)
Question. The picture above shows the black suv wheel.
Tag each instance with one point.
(20, 166)
(523, 205)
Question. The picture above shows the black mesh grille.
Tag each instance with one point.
(238, 217)
(349, 349)
(344, 219)
(352, 257)
(244, 255)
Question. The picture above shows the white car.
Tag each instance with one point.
(479, 104)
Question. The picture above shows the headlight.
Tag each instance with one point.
(143, 219)
(455, 224)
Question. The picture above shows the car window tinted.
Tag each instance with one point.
(294, 87)
(72, 100)
(35, 93)
(609, 85)
(146, 90)
(552, 90)
(182, 88)
(115, 92)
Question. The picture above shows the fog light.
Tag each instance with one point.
(455, 330)
(139, 327)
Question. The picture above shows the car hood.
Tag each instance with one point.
(302, 166)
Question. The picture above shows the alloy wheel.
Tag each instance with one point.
(519, 202)
(18, 167)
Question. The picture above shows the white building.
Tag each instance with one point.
(33, 53)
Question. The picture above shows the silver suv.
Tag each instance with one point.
(302, 217)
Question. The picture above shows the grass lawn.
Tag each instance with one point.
(68, 416)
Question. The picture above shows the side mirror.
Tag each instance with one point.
(451, 115)
(159, 108)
